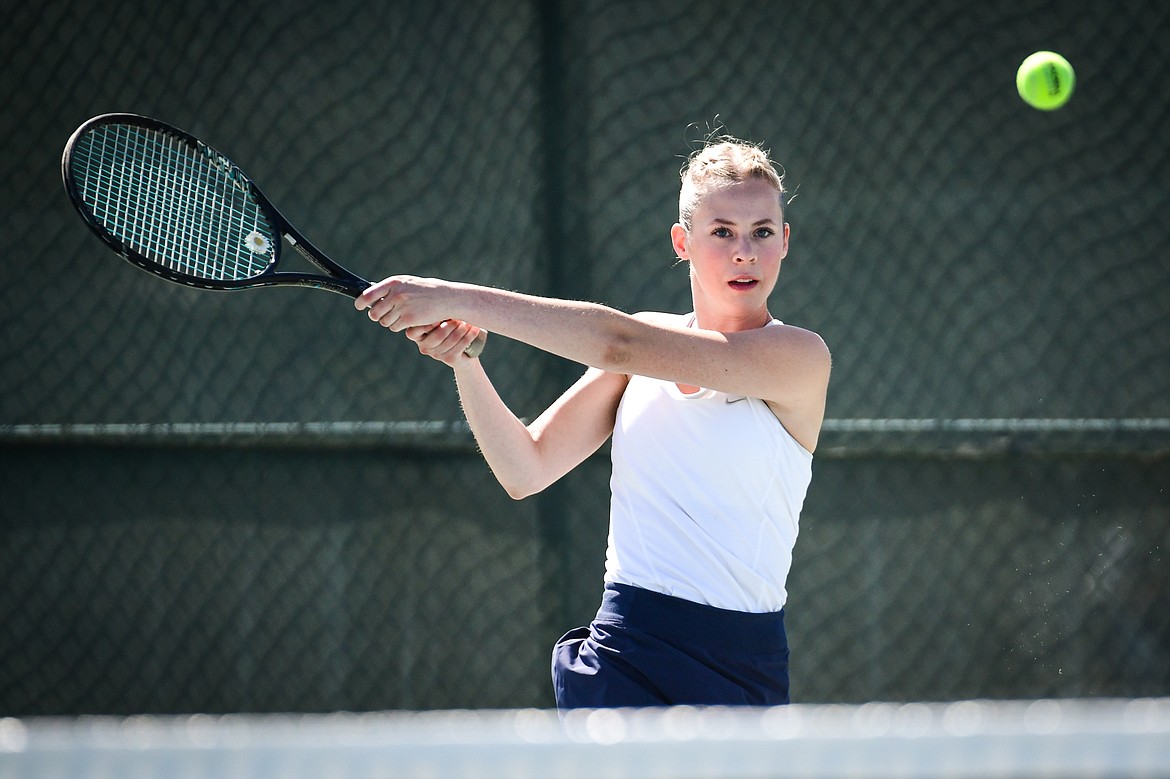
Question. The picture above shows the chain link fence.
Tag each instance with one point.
(260, 502)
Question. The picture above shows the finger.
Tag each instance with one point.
(461, 338)
(417, 333)
(371, 295)
(380, 308)
(378, 292)
(430, 340)
(390, 320)
(448, 340)
(435, 337)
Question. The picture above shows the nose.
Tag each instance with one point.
(745, 251)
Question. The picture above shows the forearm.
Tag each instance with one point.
(587, 333)
(503, 439)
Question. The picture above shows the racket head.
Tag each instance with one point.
(175, 207)
(171, 204)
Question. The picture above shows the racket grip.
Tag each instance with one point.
(476, 346)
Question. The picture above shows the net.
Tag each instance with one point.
(962, 740)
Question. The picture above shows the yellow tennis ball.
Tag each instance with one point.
(1045, 80)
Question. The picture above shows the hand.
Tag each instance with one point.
(399, 302)
(445, 341)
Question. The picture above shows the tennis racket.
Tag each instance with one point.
(174, 206)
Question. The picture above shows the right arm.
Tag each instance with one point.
(786, 366)
(525, 459)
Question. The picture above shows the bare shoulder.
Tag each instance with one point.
(797, 332)
(802, 379)
(809, 343)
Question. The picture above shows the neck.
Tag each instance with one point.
(730, 324)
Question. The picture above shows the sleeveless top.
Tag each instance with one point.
(707, 490)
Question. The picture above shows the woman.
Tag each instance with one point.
(714, 416)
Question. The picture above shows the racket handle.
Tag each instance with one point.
(476, 346)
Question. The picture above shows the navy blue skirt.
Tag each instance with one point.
(649, 649)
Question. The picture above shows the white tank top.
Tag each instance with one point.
(706, 497)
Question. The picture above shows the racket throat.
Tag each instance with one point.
(342, 282)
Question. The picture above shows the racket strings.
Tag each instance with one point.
(179, 206)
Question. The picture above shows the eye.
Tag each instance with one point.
(765, 232)
(721, 232)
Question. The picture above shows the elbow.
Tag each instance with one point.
(519, 489)
(616, 353)
(628, 340)
(524, 485)
(517, 492)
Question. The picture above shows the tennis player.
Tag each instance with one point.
(714, 416)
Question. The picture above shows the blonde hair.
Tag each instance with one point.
(719, 163)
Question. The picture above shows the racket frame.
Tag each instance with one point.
(339, 279)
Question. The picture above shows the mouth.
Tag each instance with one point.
(743, 284)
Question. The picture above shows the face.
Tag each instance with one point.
(737, 240)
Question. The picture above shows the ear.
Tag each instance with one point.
(787, 233)
(678, 237)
